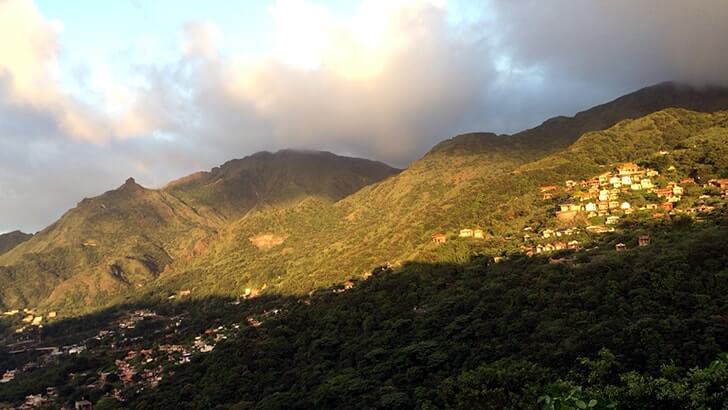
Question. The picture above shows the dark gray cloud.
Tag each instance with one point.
(425, 80)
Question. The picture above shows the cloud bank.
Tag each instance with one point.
(386, 82)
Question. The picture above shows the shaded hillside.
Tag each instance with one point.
(273, 178)
(479, 335)
(12, 239)
(321, 243)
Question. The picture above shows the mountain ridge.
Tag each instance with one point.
(328, 216)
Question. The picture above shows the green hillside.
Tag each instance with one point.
(123, 238)
(296, 220)
(119, 242)
(493, 188)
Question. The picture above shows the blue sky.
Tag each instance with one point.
(92, 92)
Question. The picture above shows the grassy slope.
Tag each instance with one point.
(489, 184)
(121, 240)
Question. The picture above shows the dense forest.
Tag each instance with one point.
(638, 329)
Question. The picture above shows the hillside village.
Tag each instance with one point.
(597, 205)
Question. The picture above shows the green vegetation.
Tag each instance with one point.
(119, 242)
(484, 335)
(470, 323)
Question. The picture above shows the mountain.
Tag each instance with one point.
(559, 132)
(459, 184)
(124, 238)
(317, 301)
(293, 221)
(274, 178)
(12, 239)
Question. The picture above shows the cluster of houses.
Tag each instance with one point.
(30, 319)
(476, 233)
(642, 241)
(600, 195)
(603, 195)
(33, 401)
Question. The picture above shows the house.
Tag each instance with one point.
(466, 233)
(591, 207)
(439, 238)
(663, 192)
(548, 188)
(677, 190)
(559, 246)
(570, 208)
(651, 206)
(478, 234)
(646, 183)
(8, 376)
(613, 204)
(644, 240)
(620, 247)
(348, 285)
(635, 187)
(548, 248)
(604, 178)
(84, 405)
(539, 248)
(626, 180)
(583, 196)
(34, 400)
(604, 195)
(615, 181)
(603, 205)
(628, 168)
(547, 233)
(573, 245)
(52, 315)
(687, 181)
(723, 184)
(652, 173)
(570, 183)
(625, 206)
(37, 321)
(599, 229)
(612, 220)
(668, 206)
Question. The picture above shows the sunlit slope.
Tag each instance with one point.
(492, 184)
(113, 245)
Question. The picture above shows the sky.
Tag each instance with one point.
(94, 92)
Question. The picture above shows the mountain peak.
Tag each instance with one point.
(131, 184)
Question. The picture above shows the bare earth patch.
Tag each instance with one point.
(267, 240)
